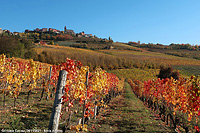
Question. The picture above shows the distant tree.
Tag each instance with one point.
(51, 43)
(167, 72)
(14, 47)
(27, 44)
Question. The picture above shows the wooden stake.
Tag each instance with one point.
(86, 84)
(49, 83)
(55, 116)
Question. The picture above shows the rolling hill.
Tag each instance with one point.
(121, 56)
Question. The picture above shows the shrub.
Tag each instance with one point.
(167, 72)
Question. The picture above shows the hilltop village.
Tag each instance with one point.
(45, 34)
(47, 30)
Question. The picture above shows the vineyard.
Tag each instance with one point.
(136, 73)
(176, 101)
(84, 92)
(29, 87)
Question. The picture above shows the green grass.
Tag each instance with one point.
(64, 43)
(149, 74)
(35, 115)
(126, 113)
(136, 73)
(154, 57)
(123, 46)
(188, 70)
(179, 52)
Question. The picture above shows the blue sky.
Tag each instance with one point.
(148, 21)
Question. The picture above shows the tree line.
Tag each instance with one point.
(161, 46)
(16, 47)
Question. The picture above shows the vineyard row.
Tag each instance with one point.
(177, 101)
(17, 74)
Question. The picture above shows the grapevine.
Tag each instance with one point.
(27, 75)
(179, 96)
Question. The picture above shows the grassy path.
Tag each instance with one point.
(126, 113)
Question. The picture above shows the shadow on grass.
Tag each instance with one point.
(130, 126)
(43, 107)
(128, 115)
(35, 119)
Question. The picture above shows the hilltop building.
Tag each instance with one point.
(15, 33)
(37, 30)
(68, 31)
(65, 29)
(27, 30)
(7, 31)
(42, 43)
(54, 30)
(44, 29)
(88, 35)
(82, 34)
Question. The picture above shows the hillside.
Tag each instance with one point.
(135, 65)
(102, 53)
(122, 56)
(93, 66)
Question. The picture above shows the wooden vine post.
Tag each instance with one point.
(112, 92)
(29, 92)
(49, 82)
(43, 82)
(4, 98)
(15, 101)
(48, 86)
(86, 84)
(95, 111)
(55, 115)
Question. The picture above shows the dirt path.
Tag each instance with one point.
(126, 113)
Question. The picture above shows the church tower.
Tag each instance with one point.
(65, 29)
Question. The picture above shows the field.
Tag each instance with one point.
(126, 62)
(34, 115)
(112, 118)
(154, 57)
(122, 56)
(179, 52)
(136, 73)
